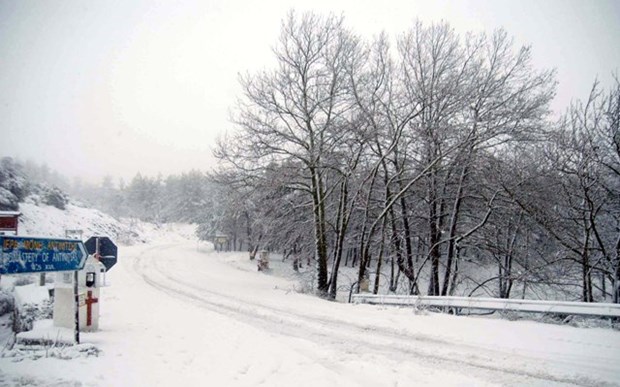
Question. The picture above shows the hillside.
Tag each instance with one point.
(48, 211)
(49, 221)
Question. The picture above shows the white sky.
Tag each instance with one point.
(119, 87)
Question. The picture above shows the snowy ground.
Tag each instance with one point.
(179, 314)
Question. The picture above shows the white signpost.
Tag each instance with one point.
(89, 282)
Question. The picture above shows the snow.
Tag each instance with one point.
(48, 221)
(5, 328)
(44, 330)
(179, 313)
(30, 294)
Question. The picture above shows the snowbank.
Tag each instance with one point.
(30, 294)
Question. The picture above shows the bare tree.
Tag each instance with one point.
(580, 182)
(433, 156)
(298, 112)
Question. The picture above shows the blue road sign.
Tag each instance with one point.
(39, 255)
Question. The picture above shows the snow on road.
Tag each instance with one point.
(179, 315)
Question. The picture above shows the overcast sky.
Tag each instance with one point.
(119, 87)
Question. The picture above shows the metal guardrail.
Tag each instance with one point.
(534, 306)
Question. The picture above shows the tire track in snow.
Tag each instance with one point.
(236, 313)
(348, 337)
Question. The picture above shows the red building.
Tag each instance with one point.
(9, 222)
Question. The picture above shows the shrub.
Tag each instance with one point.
(29, 313)
(6, 302)
(55, 197)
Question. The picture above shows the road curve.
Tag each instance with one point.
(346, 338)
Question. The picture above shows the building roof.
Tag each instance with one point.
(6, 214)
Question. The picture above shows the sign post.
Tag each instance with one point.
(40, 255)
(76, 295)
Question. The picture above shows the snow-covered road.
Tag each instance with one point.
(177, 315)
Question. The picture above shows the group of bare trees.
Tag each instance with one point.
(415, 157)
(572, 191)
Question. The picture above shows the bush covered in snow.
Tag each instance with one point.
(55, 350)
(13, 185)
(8, 201)
(23, 279)
(6, 302)
(16, 187)
(27, 314)
(56, 198)
(32, 303)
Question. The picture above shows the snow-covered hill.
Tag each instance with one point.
(48, 221)
(48, 211)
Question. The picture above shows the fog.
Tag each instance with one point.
(116, 88)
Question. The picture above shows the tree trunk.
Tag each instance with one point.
(616, 297)
(365, 237)
(586, 277)
(318, 203)
(392, 276)
(407, 231)
(434, 236)
(380, 258)
(395, 239)
(455, 272)
(342, 222)
(253, 252)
